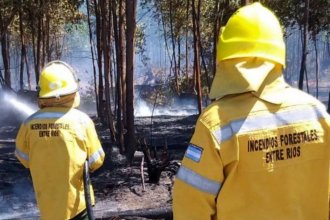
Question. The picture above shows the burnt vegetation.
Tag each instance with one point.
(145, 151)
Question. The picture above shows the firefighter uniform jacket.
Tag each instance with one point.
(250, 158)
(54, 143)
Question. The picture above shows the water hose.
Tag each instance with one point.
(88, 200)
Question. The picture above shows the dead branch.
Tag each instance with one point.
(142, 174)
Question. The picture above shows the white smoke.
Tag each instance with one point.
(24, 108)
(143, 109)
(17, 201)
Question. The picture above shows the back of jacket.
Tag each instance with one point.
(54, 143)
(251, 159)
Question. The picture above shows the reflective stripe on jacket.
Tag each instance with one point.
(251, 159)
(54, 143)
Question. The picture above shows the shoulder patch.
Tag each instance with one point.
(194, 152)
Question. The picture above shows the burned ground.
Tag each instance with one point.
(118, 187)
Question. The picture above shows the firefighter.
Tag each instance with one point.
(55, 142)
(260, 150)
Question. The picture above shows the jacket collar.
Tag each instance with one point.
(261, 77)
(273, 89)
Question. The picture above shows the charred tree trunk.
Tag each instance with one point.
(316, 67)
(46, 48)
(328, 45)
(122, 54)
(245, 2)
(33, 36)
(39, 42)
(206, 74)
(179, 58)
(93, 56)
(5, 58)
(23, 51)
(130, 39)
(99, 59)
(27, 71)
(114, 17)
(197, 53)
(187, 48)
(5, 44)
(173, 58)
(166, 44)
(26, 59)
(304, 47)
(216, 31)
(112, 64)
(106, 45)
(119, 87)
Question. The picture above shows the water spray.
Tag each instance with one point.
(24, 108)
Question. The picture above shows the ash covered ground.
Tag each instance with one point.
(118, 188)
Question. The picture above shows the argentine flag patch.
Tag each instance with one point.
(194, 153)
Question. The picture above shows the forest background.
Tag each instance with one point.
(126, 51)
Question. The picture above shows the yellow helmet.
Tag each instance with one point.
(253, 31)
(57, 79)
